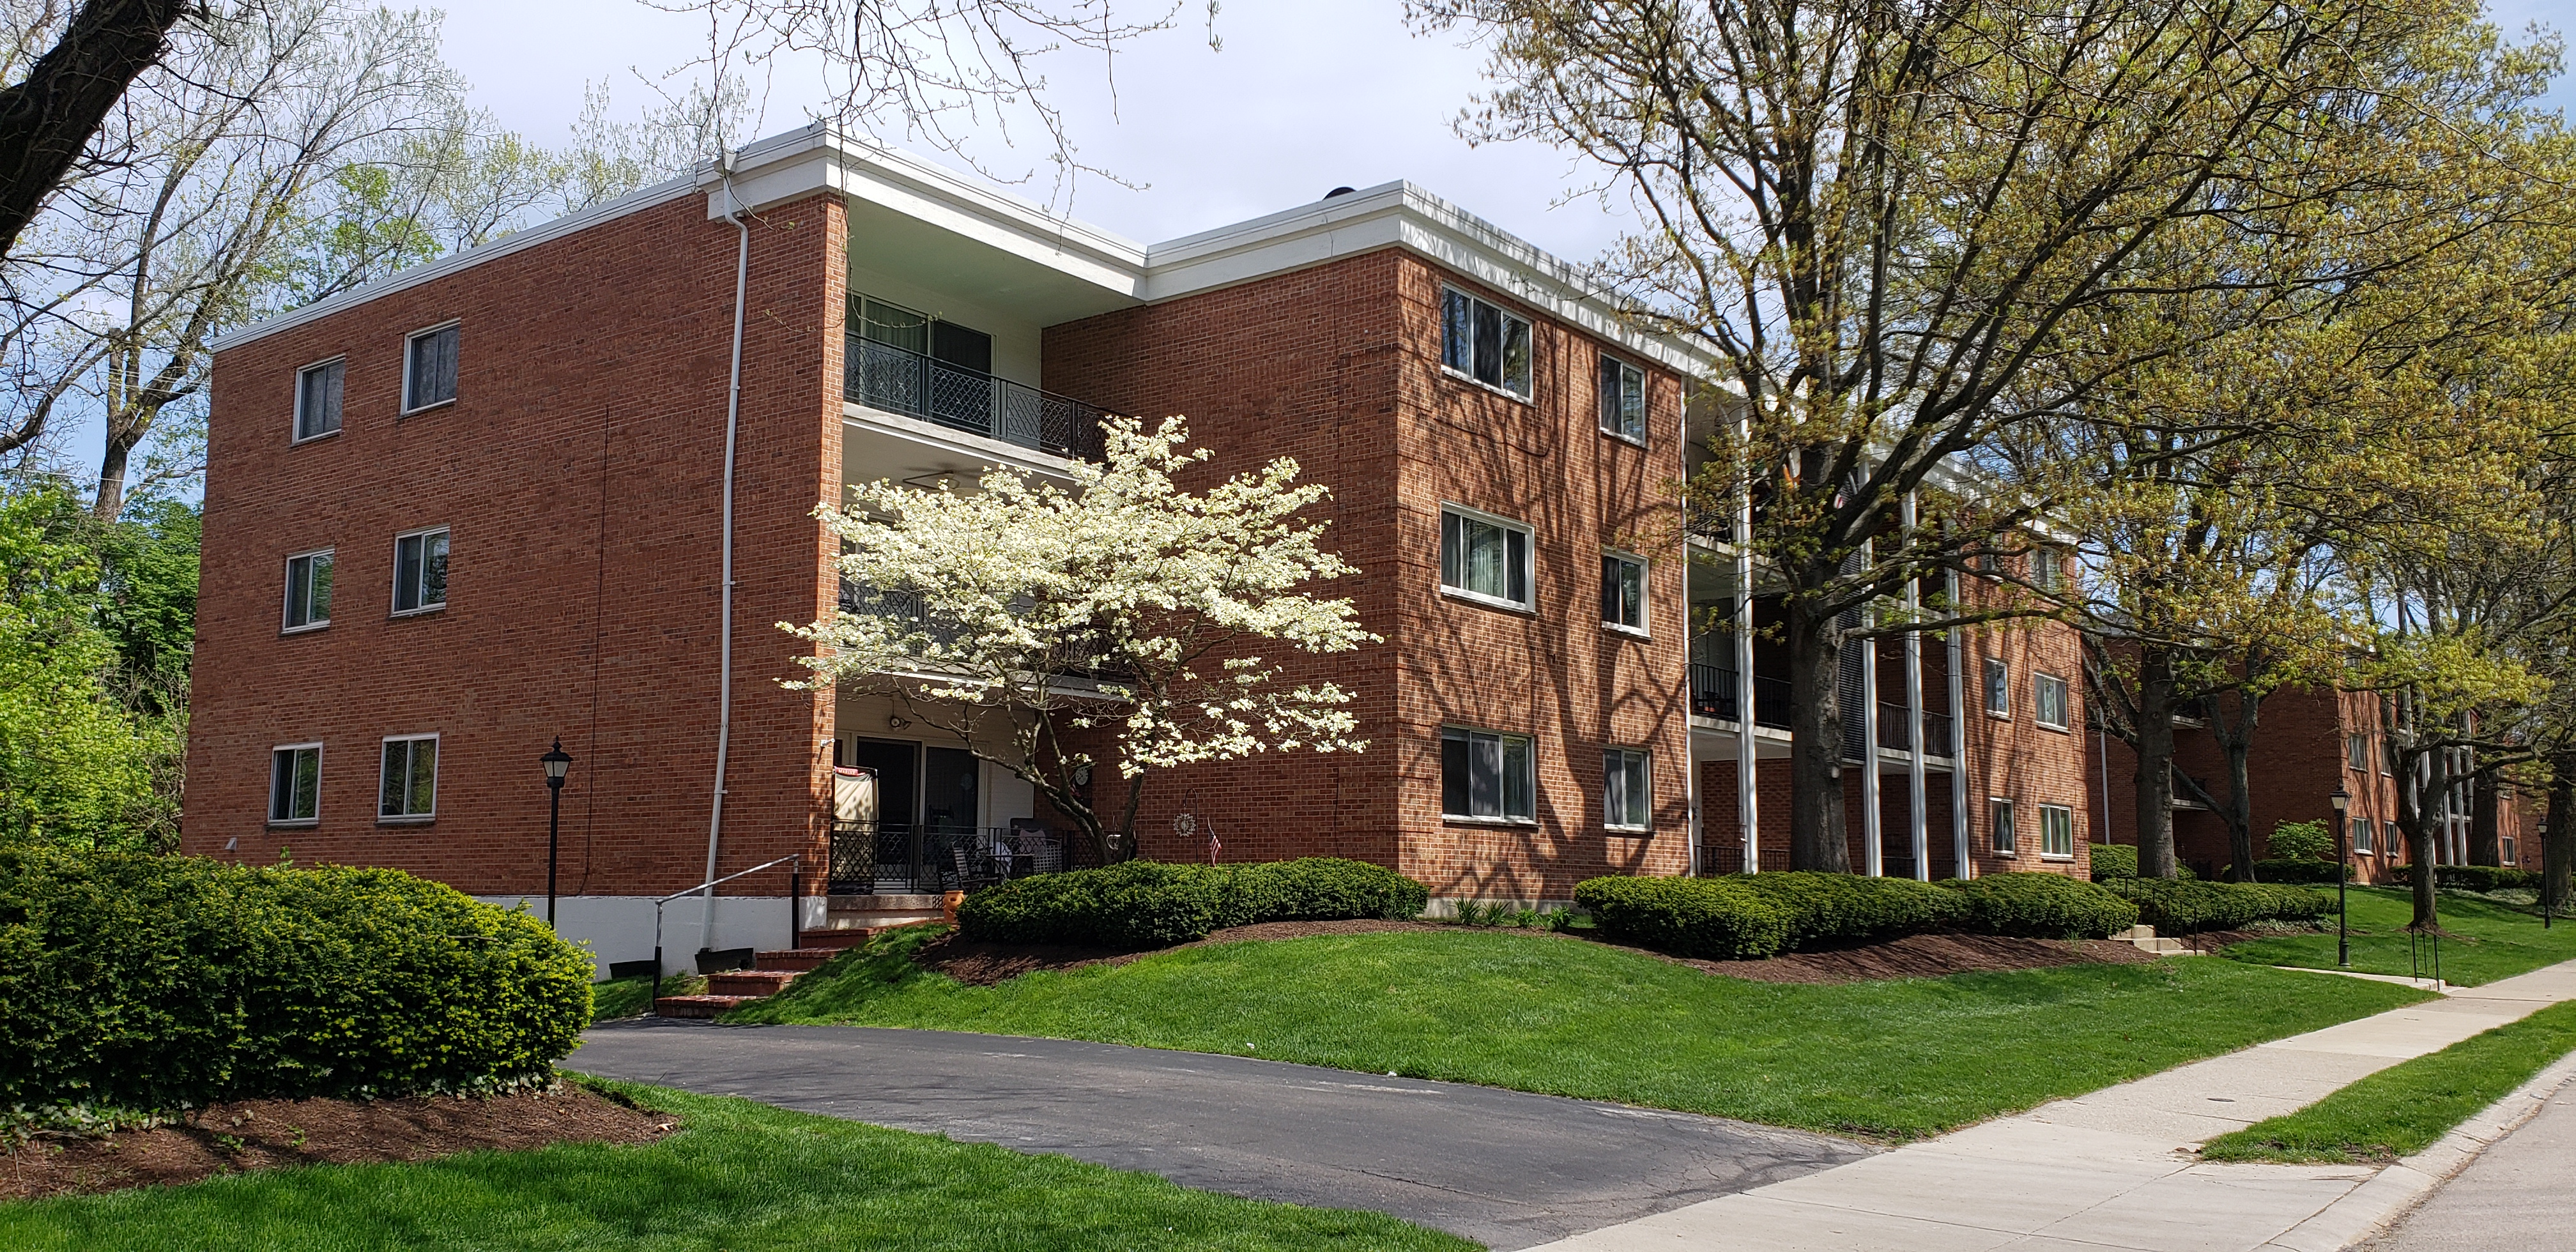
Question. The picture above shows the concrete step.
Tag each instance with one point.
(878, 919)
(750, 982)
(2161, 947)
(2136, 932)
(699, 1006)
(794, 960)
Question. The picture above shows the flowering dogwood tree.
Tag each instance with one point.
(1045, 628)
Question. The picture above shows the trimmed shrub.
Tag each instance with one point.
(2469, 877)
(2301, 841)
(2290, 870)
(1829, 908)
(1323, 888)
(1718, 919)
(2120, 860)
(2041, 906)
(153, 983)
(1155, 904)
(2175, 907)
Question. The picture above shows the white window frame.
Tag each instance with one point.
(295, 432)
(1998, 682)
(2039, 702)
(2510, 849)
(2356, 751)
(2392, 835)
(1605, 401)
(1529, 559)
(273, 753)
(1645, 592)
(421, 532)
(2065, 815)
(1529, 333)
(2047, 568)
(1614, 763)
(1503, 815)
(2005, 837)
(455, 384)
(2364, 834)
(438, 765)
(286, 602)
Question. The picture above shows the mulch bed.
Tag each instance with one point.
(983, 964)
(243, 1135)
(1922, 956)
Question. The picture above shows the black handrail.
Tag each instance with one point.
(899, 380)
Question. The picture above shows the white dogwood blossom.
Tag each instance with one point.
(1125, 617)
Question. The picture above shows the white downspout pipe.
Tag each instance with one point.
(724, 630)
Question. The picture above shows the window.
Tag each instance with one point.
(420, 571)
(429, 368)
(1626, 789)
(410, 787)
(2007, 839)
(1623, 591)
(317, 399)
(1485, 557)
(2048, 700)
(1623, 400)
(1998, 688)
(308, 590)
(2057, 832)
(2510, 855)
(2047, 569)
(1484, 343)
(2396, 837)
(294, 784)
(1486, 775)
(2356, 751)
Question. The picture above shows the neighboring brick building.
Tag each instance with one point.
(458, 514)
(2307, 742)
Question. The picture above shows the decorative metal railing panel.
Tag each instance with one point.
(899, 380)
(914, 858)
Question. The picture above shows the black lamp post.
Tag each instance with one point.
(557, 762)
(2343, 874)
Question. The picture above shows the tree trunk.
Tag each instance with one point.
(2421, 826)
(2558, 838)
(111, 472)
(47, 118)
(1816, 823)
(2238, 744)
(2485, 848)
(2155, 763)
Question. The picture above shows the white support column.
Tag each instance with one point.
(1959, 742)
(1748, 794)
(1914, 773)
(1873, 852)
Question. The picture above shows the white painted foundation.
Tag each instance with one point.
(620, 928)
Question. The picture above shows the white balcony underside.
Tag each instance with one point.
(876, 444)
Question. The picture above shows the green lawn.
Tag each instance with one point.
(629, 997)
(1546, 1013)
(2492, 940)
(739, 1176)
(2401, 1110)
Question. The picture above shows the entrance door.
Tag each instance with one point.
(893, 853)
(948, 787)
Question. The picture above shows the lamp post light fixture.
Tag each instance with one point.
(558, 763)
(2342, 800)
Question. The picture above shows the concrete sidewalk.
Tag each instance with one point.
(2114, 1169)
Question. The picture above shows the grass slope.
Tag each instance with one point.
(739, 1176)
(2401, 1110)
(629, 997)
(2493, 941)
(1545, 1013)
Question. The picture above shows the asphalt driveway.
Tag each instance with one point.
(1504, 1167)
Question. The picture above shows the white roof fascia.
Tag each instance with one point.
(431, 271)
(1402, 215)
(820, 158)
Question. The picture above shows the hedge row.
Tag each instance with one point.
(1155, 904)
(2288, 869)
(2469, 877)
(1748, 916)
(153, 983)
(2120, 860)
(2175, 906)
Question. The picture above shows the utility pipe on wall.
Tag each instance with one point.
(724, 668)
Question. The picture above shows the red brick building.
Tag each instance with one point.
(460, 514)
(2308, 742)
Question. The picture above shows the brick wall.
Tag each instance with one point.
(579, 471)
(1338, 366)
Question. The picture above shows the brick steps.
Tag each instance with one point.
(795, 960)
(771, 972)
(699, 1006)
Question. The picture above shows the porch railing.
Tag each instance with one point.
(1713, 694)
(921, 858)
(899, 380)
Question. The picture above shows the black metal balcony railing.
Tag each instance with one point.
(1713, 694)
(1715, 523)
(899, 380)
(1894, 728)
(1936, 733)
(909, 858)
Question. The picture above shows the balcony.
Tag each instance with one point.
(1713, 695)
(899, 380)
